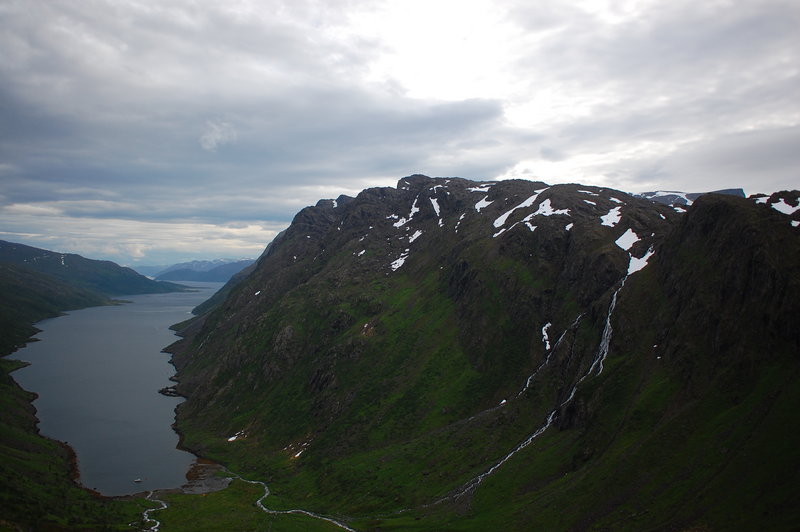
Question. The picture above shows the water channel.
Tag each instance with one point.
(97, 372)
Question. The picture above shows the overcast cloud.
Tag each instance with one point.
(153, 132)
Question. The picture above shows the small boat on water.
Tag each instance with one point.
(137, 480)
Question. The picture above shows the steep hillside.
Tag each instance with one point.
(100, 276)
(458, 355)
(29, 297)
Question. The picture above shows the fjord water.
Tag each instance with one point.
(97, 372)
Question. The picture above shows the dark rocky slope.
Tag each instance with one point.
(389, 350)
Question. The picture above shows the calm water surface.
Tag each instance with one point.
(97, 372)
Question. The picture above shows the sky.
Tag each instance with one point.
(154, 132)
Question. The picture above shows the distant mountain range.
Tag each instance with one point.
(459, 355)
(221, 271)
(217, 270)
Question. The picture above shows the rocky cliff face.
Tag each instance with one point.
(457, 350)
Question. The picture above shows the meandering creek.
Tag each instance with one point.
(97, 372)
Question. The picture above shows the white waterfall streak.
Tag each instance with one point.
(472, 484)
(605, 340)
(602, 353)
(530, 378)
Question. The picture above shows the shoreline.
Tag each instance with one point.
(201, 475)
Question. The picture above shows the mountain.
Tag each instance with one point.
(219, 274)
(101, 276)
(672, 197)
(36, 284)
(28, 297)
(449, 354)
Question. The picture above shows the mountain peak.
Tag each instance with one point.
(446, 339)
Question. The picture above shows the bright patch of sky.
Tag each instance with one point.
(241, 113)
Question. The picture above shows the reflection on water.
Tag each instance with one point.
(97, 372)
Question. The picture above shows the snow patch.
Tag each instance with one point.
(637, 264)
(569, 226)
(459, 221)
(501, 220)
(628, 239)
(238, 436)
(616, 200)
(362, 252)
(414, 208)
(481, 188)
(795, 223)
(612, 218)
(415, 236)
(438, 210)
(780, 206)
(403, 221)
(662, 193)
(257, 293)
(483, 203)
(546, 209)
(588, 192)
(590, 202)
(545, 339)
(435, 205)
(400, 261)
(762, 199)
